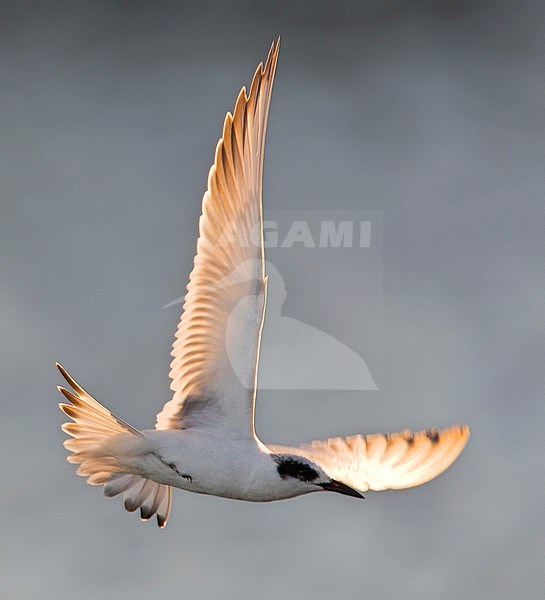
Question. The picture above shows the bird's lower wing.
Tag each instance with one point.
(386, 461)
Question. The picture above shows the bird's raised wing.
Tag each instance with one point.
(216, 349)
(385, 461)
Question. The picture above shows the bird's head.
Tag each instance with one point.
(305, 476)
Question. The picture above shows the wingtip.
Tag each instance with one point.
(62, 371)
(68, 395)
(63, 391)
(272, 57)
(67, 410)
(464, 430)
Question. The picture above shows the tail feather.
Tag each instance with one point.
(136, 495)
(118, 483)
(158, 504)
(152, 498)
(92, 431)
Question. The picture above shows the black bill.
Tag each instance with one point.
(340, 488)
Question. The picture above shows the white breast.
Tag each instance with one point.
(240, 469)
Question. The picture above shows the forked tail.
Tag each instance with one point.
(96, 434)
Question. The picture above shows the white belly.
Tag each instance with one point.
(207, 464)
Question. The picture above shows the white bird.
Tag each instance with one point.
(204, 439)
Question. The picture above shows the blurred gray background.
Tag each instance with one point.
(431, 112)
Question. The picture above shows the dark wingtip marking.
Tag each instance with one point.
(408, 436)
(433, 435)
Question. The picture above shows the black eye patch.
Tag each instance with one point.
(291, 467)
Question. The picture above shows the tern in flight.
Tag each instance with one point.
(204, 439)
